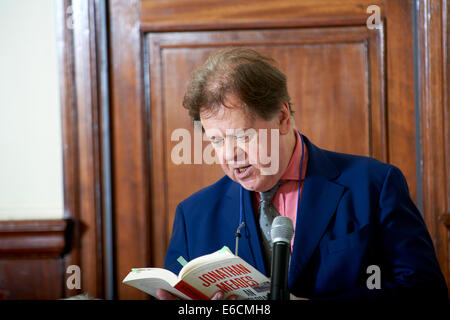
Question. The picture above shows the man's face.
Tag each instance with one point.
(246, 155)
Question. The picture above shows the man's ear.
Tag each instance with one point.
(284, 118)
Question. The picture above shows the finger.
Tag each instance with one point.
(217, 296)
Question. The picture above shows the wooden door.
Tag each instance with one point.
(352, 88)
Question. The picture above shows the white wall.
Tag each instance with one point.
(30, 126)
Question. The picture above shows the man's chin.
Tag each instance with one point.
(253, 185)
(249, 184)
(248, 187)
(257, 185)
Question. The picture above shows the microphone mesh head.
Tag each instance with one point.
(282, 229)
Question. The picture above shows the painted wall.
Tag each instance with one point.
(31, 185)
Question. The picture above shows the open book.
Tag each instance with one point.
(200, 278)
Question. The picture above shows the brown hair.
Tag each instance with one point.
(244, 72)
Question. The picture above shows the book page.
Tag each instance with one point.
(150, 280)
(206, 259)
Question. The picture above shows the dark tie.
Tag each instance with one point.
(267, 213)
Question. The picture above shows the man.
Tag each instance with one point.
(351, 214)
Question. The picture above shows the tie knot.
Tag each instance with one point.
(267, 196)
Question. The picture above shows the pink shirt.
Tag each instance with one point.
(285, 199)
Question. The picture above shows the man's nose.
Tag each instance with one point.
(233, 154)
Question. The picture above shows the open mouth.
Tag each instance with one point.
(242, 169)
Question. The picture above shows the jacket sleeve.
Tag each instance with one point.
(178, 245)
(409, 267)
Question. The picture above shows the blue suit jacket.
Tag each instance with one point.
(354, 212)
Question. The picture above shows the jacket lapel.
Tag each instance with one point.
(318, 204)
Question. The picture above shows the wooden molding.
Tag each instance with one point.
(161, 16)
(432, 80)
(35, 237)
(81, 103)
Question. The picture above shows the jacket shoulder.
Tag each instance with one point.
(355, 166)
(208, 194)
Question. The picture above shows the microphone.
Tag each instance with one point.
(281, 232)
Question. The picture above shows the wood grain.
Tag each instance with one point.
(27, 237)
(130, 145)
(433, 33)
(80, 84)
(32, 258)
(185, 15)
(69, 126)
